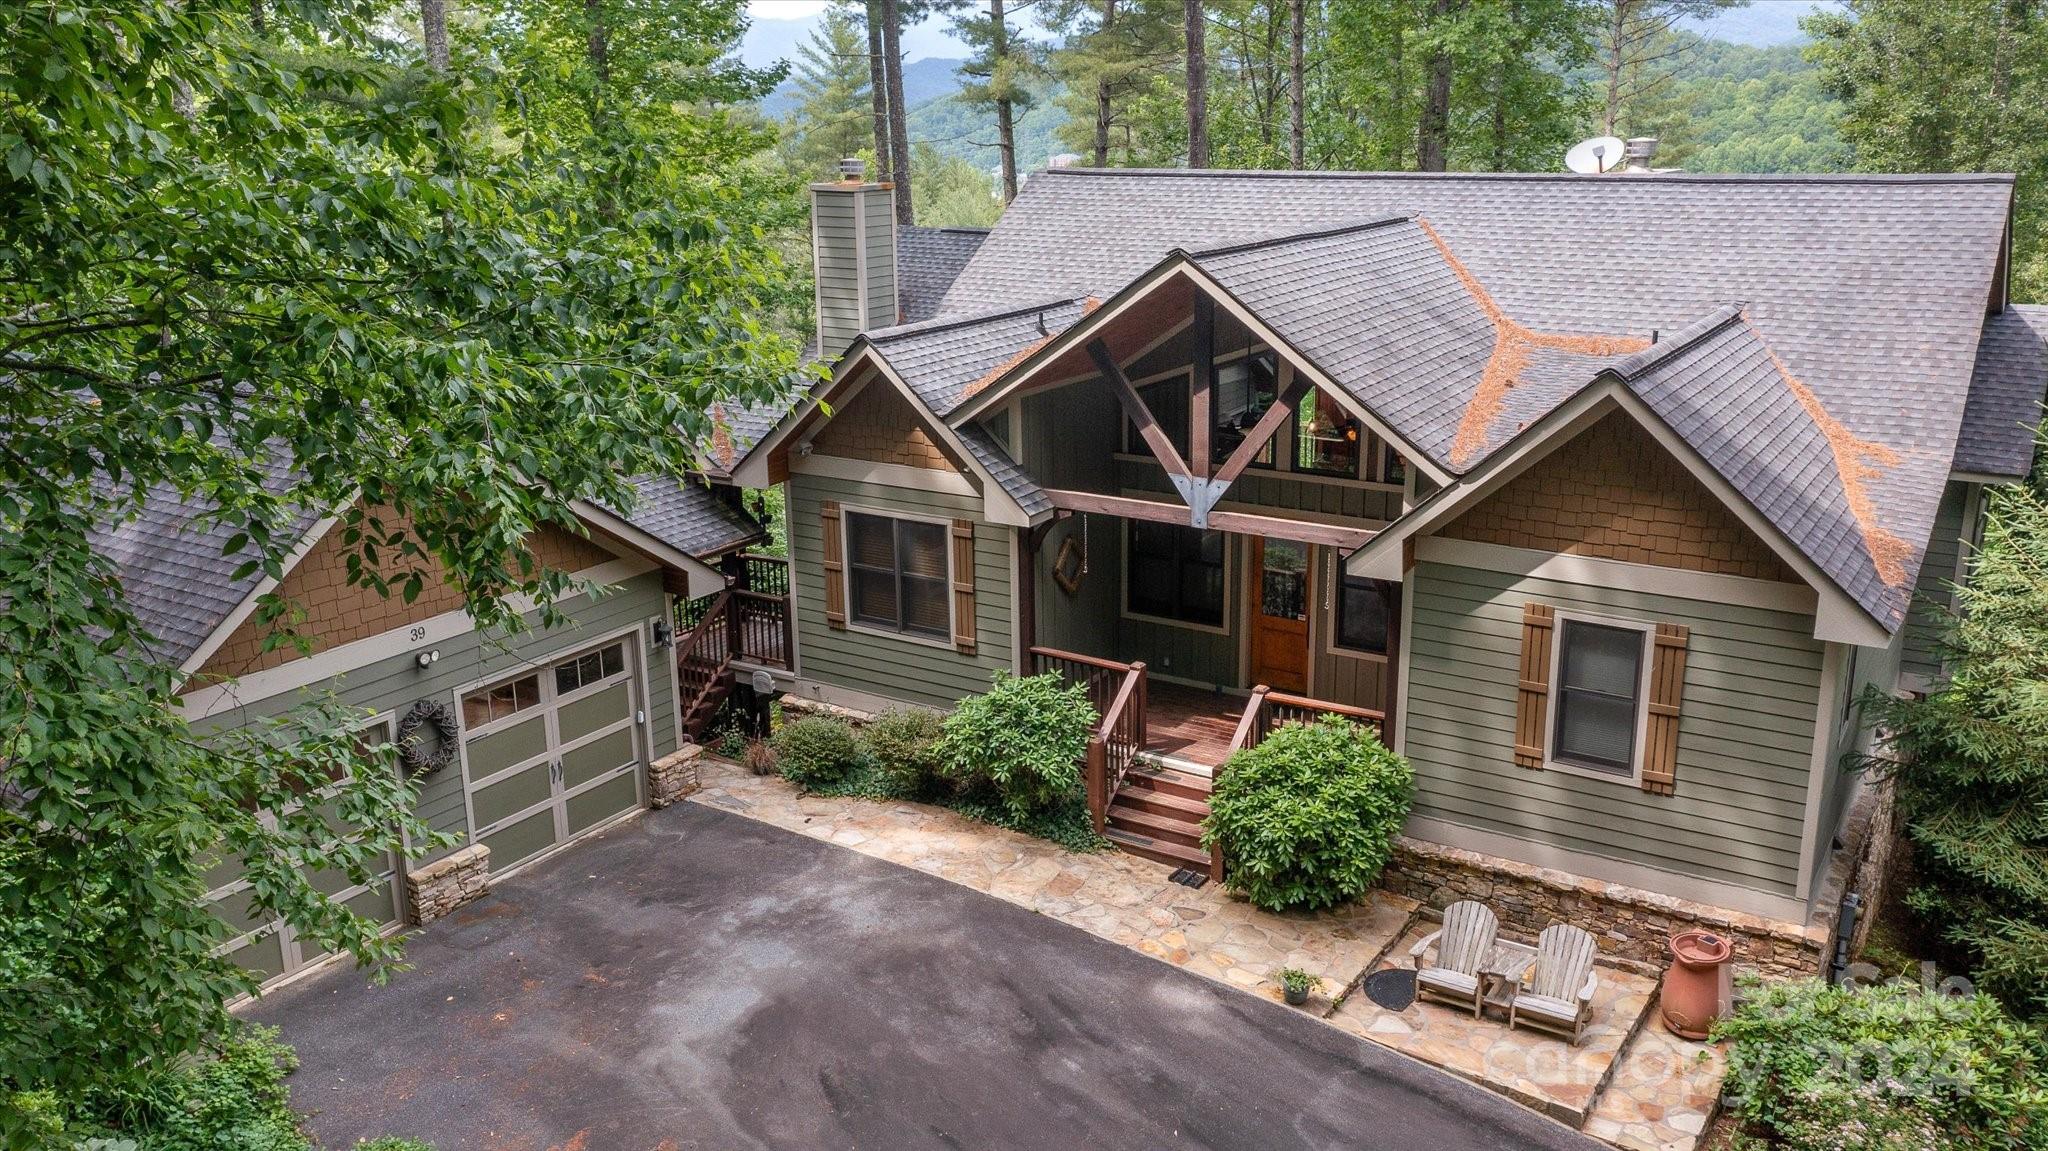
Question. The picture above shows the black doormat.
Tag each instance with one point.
(1393, 990)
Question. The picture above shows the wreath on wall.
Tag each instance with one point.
(412, 755)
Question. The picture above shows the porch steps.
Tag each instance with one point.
(1157, 814)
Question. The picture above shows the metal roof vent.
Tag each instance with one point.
(1640, 150)
(853, 169)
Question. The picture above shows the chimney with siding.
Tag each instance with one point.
(853, 245)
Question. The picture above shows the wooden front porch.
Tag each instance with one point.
(1141, 793)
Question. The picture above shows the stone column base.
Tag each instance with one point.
(447, 883)
(673, 777)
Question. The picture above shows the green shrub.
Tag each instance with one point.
(1023, 739)
(1307, 819)
(903, 746)
(816, 750)
(1885, 1068)
(393, 1143)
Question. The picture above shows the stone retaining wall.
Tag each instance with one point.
(1631, 925)
(673, 776)
(447, 883)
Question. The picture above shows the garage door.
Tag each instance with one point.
(267, 945)
(550, 753)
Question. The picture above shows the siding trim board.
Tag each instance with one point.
(895, 475)
(1817, 772)
(344, 658)
(1710, 586)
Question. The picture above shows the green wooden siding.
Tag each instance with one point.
(1745, 736)
(394, 683)
(1926, 617)
(887, 665)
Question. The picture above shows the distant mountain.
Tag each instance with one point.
(1761, 24)
(957, 128)
(923, 81)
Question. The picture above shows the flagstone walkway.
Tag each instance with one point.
(1629, 1082)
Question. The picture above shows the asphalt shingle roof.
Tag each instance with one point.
(990, 455)
(1862, 296)
(177, 582)
(690, 517)
(1997, 437)
(927, 262)
(946, 360)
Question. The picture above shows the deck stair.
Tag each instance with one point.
(1157, 814)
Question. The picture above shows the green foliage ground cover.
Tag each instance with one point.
(1889, 1068)
(1006, 758)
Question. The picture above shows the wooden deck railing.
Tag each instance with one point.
(702, 653)
(1117, 691)
(760, 628)
(1268, 709)
(768, 575)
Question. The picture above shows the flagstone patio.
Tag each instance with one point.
(1629, 1081)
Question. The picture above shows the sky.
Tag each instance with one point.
(780, 25)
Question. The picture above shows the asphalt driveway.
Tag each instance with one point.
(696, 979)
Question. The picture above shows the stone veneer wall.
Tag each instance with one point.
(673, 776)
(1630, 924)
(447, 883)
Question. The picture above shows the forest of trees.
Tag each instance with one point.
(1457, 85)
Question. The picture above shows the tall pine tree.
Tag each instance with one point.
(1970, 762)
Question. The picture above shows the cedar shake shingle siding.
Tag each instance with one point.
(335, 613)
(1615, 493)
(879, 426)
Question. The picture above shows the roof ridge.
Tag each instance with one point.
(947, 323)
(1630, 178)
(1298, 237)
(1635, 365)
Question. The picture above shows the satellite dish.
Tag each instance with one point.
(1594, 157)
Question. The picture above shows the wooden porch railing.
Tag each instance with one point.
(1268, 709)
(1117, 690)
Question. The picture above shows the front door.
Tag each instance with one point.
(1279, 614)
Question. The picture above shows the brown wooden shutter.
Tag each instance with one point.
(1667, 686)
(835, 566)
(963, 585)
(1532, 696)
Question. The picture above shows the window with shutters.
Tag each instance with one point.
(1598, 690)
(897, 575)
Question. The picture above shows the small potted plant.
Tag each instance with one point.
(1295, 984)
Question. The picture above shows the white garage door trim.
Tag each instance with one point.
(548, 709)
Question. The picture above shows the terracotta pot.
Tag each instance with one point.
(1695, 984)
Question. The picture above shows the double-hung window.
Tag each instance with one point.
(1174, 573)
(896, 575)
(1599, 696)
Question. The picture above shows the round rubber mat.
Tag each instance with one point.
(1393, 990)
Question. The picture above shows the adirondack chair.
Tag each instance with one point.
(1462, 945)
(1557, 995)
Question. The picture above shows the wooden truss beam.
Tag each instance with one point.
(1134, 407)
(1244, 523)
